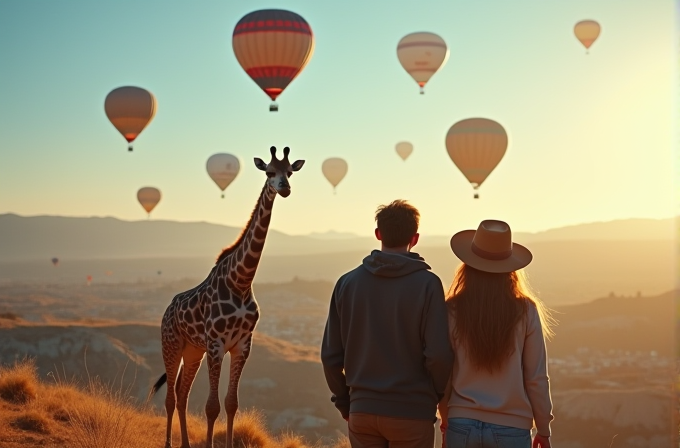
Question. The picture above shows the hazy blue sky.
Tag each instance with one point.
(590, 136)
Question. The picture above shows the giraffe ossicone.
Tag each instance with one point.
(220, 314)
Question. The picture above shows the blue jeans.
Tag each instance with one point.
(468, 433)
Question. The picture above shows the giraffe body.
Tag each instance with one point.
(219, 315)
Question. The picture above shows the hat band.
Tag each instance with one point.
(490, 255)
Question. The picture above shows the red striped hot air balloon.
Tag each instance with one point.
(421, 55)
(273, 46)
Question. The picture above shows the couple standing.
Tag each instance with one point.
(396, 348)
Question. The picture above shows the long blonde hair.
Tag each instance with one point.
(487, 307)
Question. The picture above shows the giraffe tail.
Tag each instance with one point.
(162, 380)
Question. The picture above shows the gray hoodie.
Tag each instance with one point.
(386, 346)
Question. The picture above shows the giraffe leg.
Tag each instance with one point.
(172, 357)
(212, 407)
(192, 358)
(239, 355)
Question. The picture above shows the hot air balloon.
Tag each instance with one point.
(273, 46)
(587, 32)
(130, 110)
(89, 280)
(404, 149)
(421, 55)
(148, 197)
(223, 169)
(334, 169)
(475, 146)
(55, 261)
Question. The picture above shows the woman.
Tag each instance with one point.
(499, 384)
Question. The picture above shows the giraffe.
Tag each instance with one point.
(219, 315)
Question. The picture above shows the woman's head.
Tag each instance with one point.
(487, 307)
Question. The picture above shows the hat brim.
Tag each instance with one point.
(461, 244)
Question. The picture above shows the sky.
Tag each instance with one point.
(591, 137)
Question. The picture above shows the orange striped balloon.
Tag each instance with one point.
(476, 146)
(587, 31)
(273, 46)
(130, 110)
(421, 55)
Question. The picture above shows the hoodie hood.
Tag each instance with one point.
(386, 264)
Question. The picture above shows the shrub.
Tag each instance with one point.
(32, 421)
(19, 383)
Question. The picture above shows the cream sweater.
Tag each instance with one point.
(517, 396)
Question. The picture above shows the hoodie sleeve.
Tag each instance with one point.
(333, 358)
(536, 381)
(436, 345)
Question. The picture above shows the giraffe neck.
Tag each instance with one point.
(242, 264)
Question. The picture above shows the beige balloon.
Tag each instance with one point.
(404, 149)
(334, 169)
(130, 110)
(421, 55)
(149, 197)
(476, 146)
(587, 31)
(223, 169)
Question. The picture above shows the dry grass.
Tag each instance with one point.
(60, 414)
(31, 420)
(19, 383)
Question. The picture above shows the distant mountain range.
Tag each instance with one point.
(40, 237)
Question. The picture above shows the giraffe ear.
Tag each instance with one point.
(260, 165)
(297, 165)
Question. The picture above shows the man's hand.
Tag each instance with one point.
(541, 442)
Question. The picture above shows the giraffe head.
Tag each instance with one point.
(278, 171)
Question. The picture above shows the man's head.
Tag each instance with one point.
(397, 225)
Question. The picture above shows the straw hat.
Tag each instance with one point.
(490, 248)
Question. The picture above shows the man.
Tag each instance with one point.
(386, 352)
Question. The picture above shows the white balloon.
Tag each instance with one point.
(223, 169)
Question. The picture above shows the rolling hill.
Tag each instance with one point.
(43, 237)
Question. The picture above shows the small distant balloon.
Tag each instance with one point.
(130, 110)
(476, 146)
(108, 273)
(149, 197)
(89, 280)
(223, 169)
(160, 272)
(587, 32)
(55, 261)
(404, 149)
(422, 55)
(334, 169)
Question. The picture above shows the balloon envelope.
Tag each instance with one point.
(421, 55)
(334, 169)
(130, 110)
(223, 169)
(273, 46)
(404, 149)
(55, 261)
(476, 146)
(587, 31)
(149, 198)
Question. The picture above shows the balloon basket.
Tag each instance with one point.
(222, 196)
(273, 107)
(476, 196)
(130, 148)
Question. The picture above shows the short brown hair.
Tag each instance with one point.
(397, 222)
